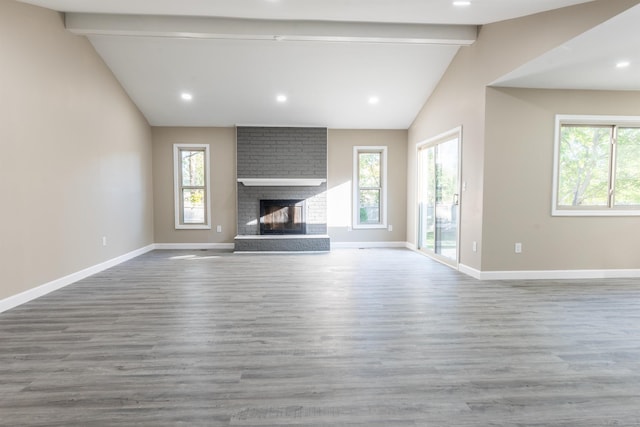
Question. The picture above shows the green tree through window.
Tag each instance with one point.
(193, 183)
(369, 188)
(627, 177)
(598, 166)
(191, 178)
(584, 165)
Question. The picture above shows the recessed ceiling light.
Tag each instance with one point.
(186, 96)
(462, 3)
(281, 98)
(374, 100)
(623, 64)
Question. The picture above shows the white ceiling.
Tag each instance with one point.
(235, 80)
(417, 11)
(588, 61)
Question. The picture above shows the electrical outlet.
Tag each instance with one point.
(518, 248)
(475, 246)
(219, 229)
(390, 227)
(104, 240)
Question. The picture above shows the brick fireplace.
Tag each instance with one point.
(278, 164)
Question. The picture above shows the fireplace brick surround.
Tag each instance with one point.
(283, 155)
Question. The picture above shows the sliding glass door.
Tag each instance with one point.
(439, 197)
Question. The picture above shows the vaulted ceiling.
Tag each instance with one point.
(339, 63)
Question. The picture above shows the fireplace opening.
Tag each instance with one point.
(283, 216)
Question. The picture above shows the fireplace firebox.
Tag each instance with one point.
(282, 216)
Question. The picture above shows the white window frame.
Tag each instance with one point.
(356, 187)
(566, 119)
(177, 193)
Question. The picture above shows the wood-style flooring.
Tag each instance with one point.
(382, 337)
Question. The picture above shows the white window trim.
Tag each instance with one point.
(355, 192)
(176, 187)
(564, 119)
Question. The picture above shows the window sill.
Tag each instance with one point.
(193, 227)
(595, 212)
(369, 227)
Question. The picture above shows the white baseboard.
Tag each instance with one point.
(476, 274)
(33, 293)
(550, 274)
(559, 274)
(194, 246)
(367, 245)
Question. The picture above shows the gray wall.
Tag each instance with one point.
(520, 145)
(460, 100)
(340, 201)
(75, 162)
(222, 151)
(224, 187)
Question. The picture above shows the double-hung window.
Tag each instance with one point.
(597, 166)
(191, 186)
(369, 187)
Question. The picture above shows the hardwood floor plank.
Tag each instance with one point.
(379, 337)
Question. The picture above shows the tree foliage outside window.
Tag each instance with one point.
(193, 183)
(369, 187)
(369, 183)
(627, 174)
(191, 163)
(598, 167)
(584, 166)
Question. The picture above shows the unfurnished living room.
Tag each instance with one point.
(320, 213)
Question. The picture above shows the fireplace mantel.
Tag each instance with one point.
(282, 182)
